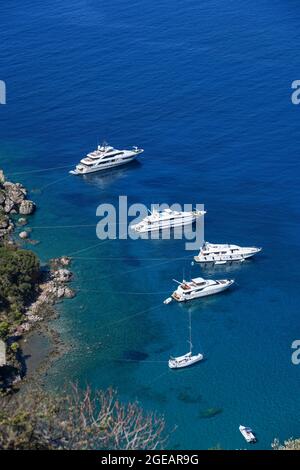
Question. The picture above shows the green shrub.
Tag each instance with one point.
(4, 329)
(14, 347)
(19, 270)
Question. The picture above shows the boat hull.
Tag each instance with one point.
(166, 225)
(185, 361)
(214, 259)
(104, 166)
(205, 293)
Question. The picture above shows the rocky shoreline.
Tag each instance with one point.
(51, 286)
(13, 201)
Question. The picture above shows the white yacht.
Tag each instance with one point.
(187, 359)
(105, 157)
(224, 253)
(198, 287)
(247, 433)
(167, 218)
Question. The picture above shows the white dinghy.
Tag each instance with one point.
(247, 433)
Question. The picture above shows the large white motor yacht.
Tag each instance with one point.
(105, 157)
(198, 287)
(167, 218)
(224, 253)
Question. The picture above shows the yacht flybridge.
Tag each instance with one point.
(198, 287)
(224, 253)
(105, 157)
(167, 218)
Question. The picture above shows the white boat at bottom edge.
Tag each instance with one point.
(247, 433)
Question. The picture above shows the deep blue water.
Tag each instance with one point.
(204, 88)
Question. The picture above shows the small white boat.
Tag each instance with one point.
(247, 433)
(199, 287)
(167, 218)
(187, 359)
(224, 253)
(168, 300)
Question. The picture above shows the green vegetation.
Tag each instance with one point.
(19, 271)
(15, 347)
(4, 329)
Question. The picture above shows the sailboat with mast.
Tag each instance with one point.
(187, 359)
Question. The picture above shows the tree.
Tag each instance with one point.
(19, 271)
(78, 420)
(4, 329)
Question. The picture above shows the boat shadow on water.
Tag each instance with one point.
(235, 266)
(105, 178)
(201, 304)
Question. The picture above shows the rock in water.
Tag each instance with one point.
(22, 221)
(26, 207)
(65, 260)
(69, 293)
(23, 235)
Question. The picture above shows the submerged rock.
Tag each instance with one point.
(34, 242)
(22, 221)
(135, 355)
(69, 293)
(210, 413)
(188, 397)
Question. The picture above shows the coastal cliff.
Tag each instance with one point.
(28, 289)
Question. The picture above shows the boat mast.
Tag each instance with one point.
(190, 331)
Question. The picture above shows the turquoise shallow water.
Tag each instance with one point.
(205, 89)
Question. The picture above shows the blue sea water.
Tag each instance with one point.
(204, 87)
